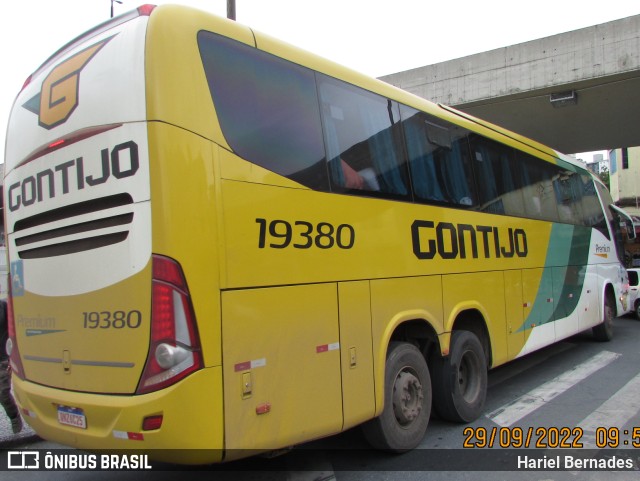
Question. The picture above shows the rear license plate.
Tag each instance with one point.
(72, 417)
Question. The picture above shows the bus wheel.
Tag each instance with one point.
(460, 380)
(407, 401)
(604, 332)
(638, 309)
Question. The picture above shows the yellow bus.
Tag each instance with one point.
(222, 244)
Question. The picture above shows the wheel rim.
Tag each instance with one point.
(407, 397)
(468, 376)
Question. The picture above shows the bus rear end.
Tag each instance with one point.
(105, 350)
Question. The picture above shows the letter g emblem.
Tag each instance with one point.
(59, 93)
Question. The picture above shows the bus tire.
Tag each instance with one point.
(604, 332)
(407, 401)
(637, 307)
(460, 379)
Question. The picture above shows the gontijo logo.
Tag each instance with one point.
(58, 97)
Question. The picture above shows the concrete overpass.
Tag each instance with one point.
(592, 75)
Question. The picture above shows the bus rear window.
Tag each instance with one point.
(267, 109)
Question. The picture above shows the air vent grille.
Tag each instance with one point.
(75, 228)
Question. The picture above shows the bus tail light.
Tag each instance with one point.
(174, 350)
(12, 344)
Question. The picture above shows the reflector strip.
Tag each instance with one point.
(328, 347)
(128, 435)
(28, 413)
(263, 408)
(243, 366)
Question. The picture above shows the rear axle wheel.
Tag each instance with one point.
(460, 380)
(407, 401)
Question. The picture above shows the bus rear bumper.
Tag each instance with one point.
(191, 431)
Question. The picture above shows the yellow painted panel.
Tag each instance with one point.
(394, 301)
(357, 357)
(100, 333)
(176, 88)
(274, 235)
(183, 438)
(185, 221)
(484, 292)
(287, 338)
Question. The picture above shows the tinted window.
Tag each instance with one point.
(633, 278)
(538, 190)
(362, 140)
(569, 192)
(267, 108)
(499, 179)
(438, 159)
(347, 139)
(592, 214)
(606, 215)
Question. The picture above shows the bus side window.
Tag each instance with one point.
(361, 138)
(593, 215)
(267, 108)
(499, 183)
(536, 177)
(569, 193)
(438, 159)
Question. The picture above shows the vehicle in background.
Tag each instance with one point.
(634, 297)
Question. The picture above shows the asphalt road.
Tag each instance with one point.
(578, 388)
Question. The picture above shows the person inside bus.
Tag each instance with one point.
(352, 180)
(6, 399)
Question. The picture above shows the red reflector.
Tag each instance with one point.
(145, 9)
(27, 82)
(57, 143)
(151, 423)
(263, 408)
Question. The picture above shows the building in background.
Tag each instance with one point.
(625, 178)
(625, 190)
(597, 165)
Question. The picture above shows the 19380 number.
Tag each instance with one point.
(112, 320)
(304, 235)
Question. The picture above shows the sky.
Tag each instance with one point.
(376, 37)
